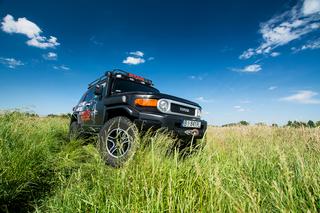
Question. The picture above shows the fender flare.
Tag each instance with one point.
(74, 117)
(128, 109)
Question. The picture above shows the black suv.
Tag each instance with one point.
(119, 104)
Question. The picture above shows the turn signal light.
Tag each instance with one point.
(146, 102)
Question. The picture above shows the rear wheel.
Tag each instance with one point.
(74, 131)
(117, 141)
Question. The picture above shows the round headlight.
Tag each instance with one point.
(163, 106)
(198, 113)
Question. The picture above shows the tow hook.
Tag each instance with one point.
(193, 132)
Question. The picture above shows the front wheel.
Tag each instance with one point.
(117, 141)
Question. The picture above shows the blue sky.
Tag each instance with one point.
(240, 60)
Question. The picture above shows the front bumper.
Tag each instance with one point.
(172, 123)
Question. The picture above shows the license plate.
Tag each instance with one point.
(191, 124)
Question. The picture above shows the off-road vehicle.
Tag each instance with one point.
(119, 104)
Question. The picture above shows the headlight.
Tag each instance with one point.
(198, 113)
(163, 106)
(145, 102)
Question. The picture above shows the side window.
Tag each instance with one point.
(104, 86)
(89, 96)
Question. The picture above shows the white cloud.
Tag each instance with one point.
(289, 26)
(11, 62)
(204, 100)
(29, 29)
(193, 77)
(43, 43)
(311, 6)
(310, 45)
(247, 54)
(21, 26)
(61, 67)
(303, 97)
(198, 77)
(64, 67)
(136, 58)
(137, 53)
(252, 68)
(239, 108)
(133, 60)
(50, 56)
(275, 54)
(272, 87)
(249, 69)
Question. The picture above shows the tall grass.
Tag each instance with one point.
(255, 169)
(27, 151)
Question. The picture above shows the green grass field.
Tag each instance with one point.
(240, 169)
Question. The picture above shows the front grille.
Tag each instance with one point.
(176, 108)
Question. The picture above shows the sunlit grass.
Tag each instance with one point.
(243, 169)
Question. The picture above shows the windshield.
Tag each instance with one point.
(121, 86)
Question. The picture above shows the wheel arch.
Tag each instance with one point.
(73, 118)
(124, 111)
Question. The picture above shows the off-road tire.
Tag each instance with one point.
(74, 131)
(116, 132)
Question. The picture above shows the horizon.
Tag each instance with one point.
(299, 123)
(248, 60)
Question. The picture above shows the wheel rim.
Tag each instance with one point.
(118, 142)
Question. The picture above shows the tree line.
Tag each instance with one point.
(310, 124)
(33, 114)
(294, 124)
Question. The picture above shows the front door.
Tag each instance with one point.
(88, 111)
(99, 107)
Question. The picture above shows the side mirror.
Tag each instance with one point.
(98, 90)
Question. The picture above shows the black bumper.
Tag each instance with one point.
(171, 122)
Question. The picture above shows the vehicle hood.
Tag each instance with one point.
(162, 95)
(175, 98)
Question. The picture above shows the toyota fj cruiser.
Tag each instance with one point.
(119, 103)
